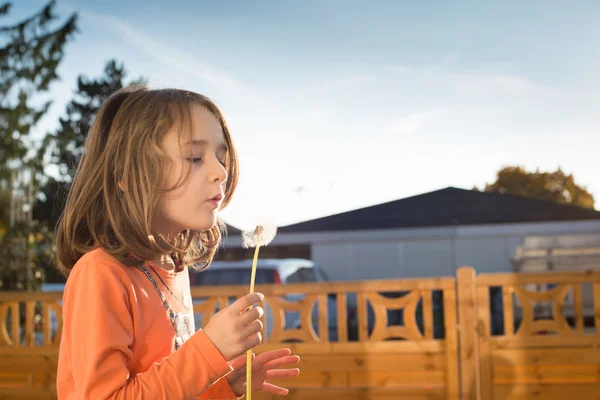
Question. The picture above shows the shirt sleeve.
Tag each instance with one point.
(98, 332)
(220, 391)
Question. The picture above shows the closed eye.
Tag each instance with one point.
(194, 160)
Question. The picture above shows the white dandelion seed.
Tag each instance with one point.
(261, 234)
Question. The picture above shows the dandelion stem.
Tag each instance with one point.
(249, 352)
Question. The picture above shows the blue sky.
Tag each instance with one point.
(336, 105)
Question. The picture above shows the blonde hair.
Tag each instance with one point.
(115, 194)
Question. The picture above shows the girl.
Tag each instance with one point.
(157, 167)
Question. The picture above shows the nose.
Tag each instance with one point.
(218, 173)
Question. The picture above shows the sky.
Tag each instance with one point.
(336, 105)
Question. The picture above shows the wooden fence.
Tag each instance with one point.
(473, 337)
(536, 336)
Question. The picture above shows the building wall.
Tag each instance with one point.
(413, 258)
(427, 252)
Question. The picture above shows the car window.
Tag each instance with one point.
(216, 277)
(303, 274)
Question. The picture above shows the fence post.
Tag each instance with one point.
(468, 355)
(451, 335)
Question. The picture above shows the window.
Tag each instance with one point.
(304, 274)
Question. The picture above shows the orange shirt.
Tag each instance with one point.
(118, 341)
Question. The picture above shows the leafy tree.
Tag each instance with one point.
(552, 186)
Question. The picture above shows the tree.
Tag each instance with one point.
(551, 186)
(30, 53)
(64, 147)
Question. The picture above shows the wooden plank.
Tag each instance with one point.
(47, 326)
(27, 393)
(5, 340)
(342, 318)
(31, 364)
(469, 354)
(358, 394)
(399, 347)
(515, 279)
(30, 351)
(452, 354)
(363, 321)
(15, 324)
(568, 373)
(597, 307)
(29, 319)
(549, 341)
(509, 318)
(10, 296)
(578, 308)
(544, 356)
(373, 362)
(314, 379)
(427, 314)
(397, 379)
(547, 391)
(485, 352)
(323, 318)
(388, 285)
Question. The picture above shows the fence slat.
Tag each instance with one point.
(363, 320)
(484, 333)
(509, 319)
(578, 303)
(427, 314)
(597, 307)
(342, 318)
(469, 352)
(323, 318)
(15, 323)
(29, 320)
(451, 336)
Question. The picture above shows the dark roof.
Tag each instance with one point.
(232, 230)
(446, 207)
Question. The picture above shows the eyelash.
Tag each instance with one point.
(196, 160)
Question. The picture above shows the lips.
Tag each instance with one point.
(218, 197)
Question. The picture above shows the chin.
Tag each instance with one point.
(203, 225)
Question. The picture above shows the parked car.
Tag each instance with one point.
(274, 272)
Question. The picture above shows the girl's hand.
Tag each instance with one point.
(235, 329)
(264, 366)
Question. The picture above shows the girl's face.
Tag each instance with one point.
(195, 204)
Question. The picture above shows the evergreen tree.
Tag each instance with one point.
(30, 53)
(64, 147)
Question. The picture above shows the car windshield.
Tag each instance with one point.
(303, 275)
(233, 276)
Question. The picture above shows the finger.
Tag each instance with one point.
(236, 374)
(271, 355)
(270, 388)
(253, 328)
(244, 302)
(252, 315)
(282, 373)
(280, 362)
(239, 362)
(253, 340)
